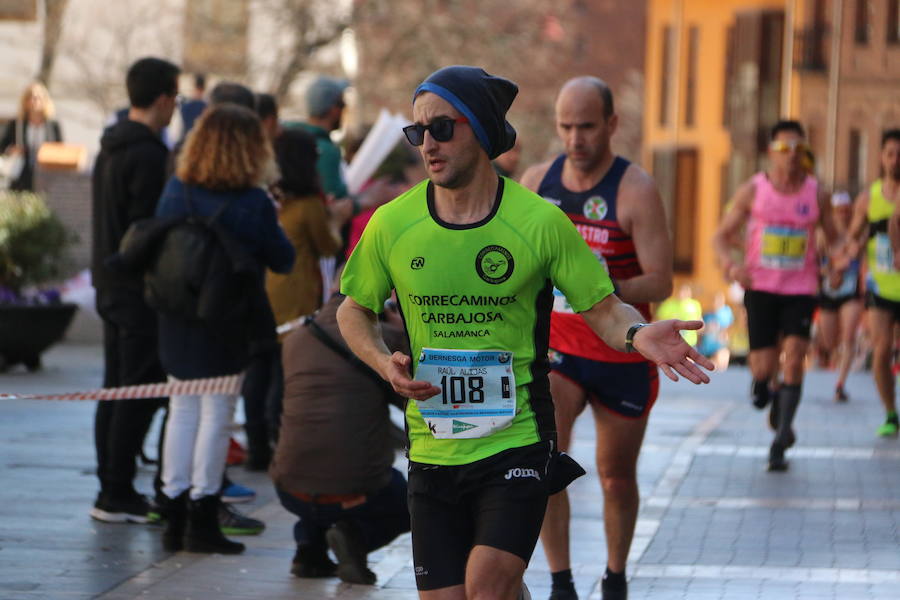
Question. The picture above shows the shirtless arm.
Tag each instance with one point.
(894, 234)
(858, 229)
(726, 238)
(826, 220)
(659, 342)
(642, 216)
(533, 176)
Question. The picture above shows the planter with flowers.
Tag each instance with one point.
(33, 252)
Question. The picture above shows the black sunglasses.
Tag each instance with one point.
(441, 130)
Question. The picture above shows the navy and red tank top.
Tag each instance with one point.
(594, 214)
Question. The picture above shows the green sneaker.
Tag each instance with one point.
(888, 429)
(232, 522)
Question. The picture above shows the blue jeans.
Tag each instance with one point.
(382, 517)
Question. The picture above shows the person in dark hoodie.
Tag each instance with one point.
(128, 179)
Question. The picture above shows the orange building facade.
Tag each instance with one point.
(720, 73)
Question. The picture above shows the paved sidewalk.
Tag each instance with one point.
(713, 523)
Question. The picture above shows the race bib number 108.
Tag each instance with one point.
(478, 392)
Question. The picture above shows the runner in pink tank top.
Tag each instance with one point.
(781, 248)
(781, 209)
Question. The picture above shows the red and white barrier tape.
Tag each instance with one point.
(291, 325)
(230, 384)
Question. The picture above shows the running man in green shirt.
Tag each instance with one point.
(473, 258)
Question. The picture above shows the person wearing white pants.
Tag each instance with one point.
(216, 179)
(196, 444)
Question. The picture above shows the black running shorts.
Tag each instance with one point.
(498, 501)
(627, 389)
(875, 301)
(834, 304)
(770, 315)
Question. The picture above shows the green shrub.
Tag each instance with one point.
(33, 241)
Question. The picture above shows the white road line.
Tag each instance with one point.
(796, 574)
(845, 453)
(847, 504)
(668, 484)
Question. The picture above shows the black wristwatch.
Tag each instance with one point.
(629, 336)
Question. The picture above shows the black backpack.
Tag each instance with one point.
(193, 267)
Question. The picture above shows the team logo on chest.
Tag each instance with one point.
(494, 264)
(595, 208)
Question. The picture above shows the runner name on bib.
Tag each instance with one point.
(478, 392)
(884, 254)
(783, 247)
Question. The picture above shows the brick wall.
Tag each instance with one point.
(868, 99)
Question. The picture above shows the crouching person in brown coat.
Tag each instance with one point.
(332, 465)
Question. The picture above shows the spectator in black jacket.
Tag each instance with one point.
(194, 107)
(128, 179)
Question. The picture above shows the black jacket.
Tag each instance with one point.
(189, 349)
(128, 179)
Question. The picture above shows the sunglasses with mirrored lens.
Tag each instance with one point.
(785, 147)
(441, 130)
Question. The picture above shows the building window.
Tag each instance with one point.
(862, 22)
(676, 174)
(810, 45)
(856, 174)
(893, 21)
(729, 76)
(691, 91)
(770, 66)
(18, 10)
(665, 80)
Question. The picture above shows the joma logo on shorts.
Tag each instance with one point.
(518, 472)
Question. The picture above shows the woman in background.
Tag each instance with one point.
(218, 171)
(314, 231)
(24, 136)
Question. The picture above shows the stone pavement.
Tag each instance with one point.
(713, 523)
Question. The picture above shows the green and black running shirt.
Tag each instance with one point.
(477, 287)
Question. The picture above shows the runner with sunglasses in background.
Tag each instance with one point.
(778, 266)
(473, 258)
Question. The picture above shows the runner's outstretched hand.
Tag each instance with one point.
(662, 343)
(396, 371)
